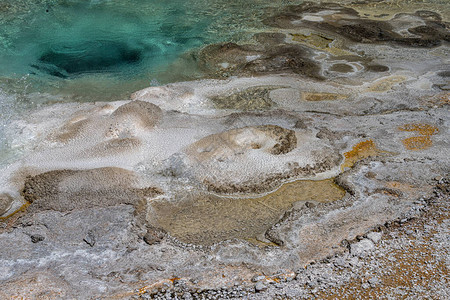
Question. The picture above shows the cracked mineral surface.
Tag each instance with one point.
(310, 161)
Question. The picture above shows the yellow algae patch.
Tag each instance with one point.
(360, 151)
(386, 84)
(205, 219)
(419, 142)
(424, 129)
(320, 42)
(21, 209)
(311, 96)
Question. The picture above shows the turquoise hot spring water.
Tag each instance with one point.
(102, 50)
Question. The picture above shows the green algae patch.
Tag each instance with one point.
(205, 219)
(254, 98)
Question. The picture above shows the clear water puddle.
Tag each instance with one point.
(205, 219)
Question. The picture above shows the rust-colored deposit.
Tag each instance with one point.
(360, 151)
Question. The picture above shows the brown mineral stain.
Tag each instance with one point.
(360, 151)
(146, 288)
(254, 98)
(113, 147)
(386, 84)
(385, 10)
(410, 191)
(341, 68)
(70, 131)
(206, 219)
(438, 100)
(312, 96)
(418, 142)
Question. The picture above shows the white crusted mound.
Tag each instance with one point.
(243, 159)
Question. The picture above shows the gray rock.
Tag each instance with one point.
(374, 236)
(153, 236)
(362, 247)
(258, 278)
(310, 205)
(354, 261)
(340, 262)
(260, 286)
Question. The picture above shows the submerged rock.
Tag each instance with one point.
(205, 219)
(346, 22)
(103, 55)
(273, 56)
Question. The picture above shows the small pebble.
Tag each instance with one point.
(374, 236)
(36, 238)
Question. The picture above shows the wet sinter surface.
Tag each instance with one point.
(312, 125)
